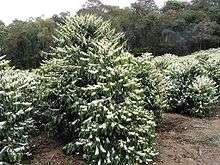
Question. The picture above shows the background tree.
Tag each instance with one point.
(178, 28)
(3, 34)
(144, 6)
(26, 39)
(59, 18)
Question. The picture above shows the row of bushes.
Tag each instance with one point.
(16, 89)
(101, 100)
(192, 83)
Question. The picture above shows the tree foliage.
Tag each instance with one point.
(178, 27)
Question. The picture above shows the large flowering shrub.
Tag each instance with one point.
(15, 107)
(93, 99)
(192, 86)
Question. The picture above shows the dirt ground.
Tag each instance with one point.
(189, 141)
(49, 152)
(181, 141)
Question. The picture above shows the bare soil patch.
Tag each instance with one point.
(48, 151)
(189, 141)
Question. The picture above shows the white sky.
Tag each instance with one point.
(23, 9)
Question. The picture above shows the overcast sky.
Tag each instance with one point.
(23, 9)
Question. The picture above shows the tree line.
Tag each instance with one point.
(178, 27)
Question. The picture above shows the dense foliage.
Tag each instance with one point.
(23, 41)
(178, 28)
(94, 97)
(192, 83)
(101, 100)
(15, 109)
(152, 82)
(203, 96)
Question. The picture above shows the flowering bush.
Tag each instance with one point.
(153, 84)
(15, 107)
(210, 66)
(182, 78)
(163, 62)
(93, 98)
(203, 96)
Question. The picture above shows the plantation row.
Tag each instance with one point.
(101, 100)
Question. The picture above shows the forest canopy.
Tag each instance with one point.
(178, 28)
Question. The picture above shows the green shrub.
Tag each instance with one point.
(163, 62)
(152, 82)
(116, 129)
(56, 99)
(211, 67)
(203, 96)
(94, 99)
(180, 75)
(15, 107)
(182, 94)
